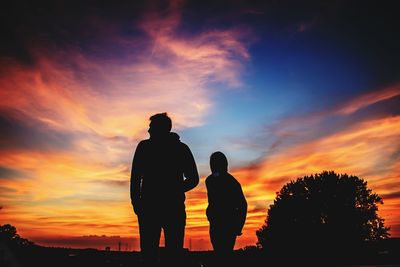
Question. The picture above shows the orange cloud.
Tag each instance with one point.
(91, 111)
(368, 149)
(369, 99)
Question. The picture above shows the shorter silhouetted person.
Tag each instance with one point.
(227, 206)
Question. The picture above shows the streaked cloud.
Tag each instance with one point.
(369, 99)
(72, 118)
(73, 110)
(368, 148)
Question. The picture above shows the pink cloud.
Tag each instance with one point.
(102, 103)
(369, 99)
(367, 148)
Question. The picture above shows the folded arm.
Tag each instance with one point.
(136, 179)
(241, 210)
(190, 171)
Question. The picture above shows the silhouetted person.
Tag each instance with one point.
(227, 206)
(163, 169)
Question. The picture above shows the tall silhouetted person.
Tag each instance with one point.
(227, 206)
(163, 169)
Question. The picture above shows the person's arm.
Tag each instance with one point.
(209, 212)
(241, 209)
(190, 170)
(136, 178)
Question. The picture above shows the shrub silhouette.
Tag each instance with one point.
(8, 235)
(322, 213)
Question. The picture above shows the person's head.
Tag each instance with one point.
(218, 162)
(160, 124)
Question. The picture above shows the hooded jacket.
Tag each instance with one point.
(166, 169)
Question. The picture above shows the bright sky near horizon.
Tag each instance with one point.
(283, 89)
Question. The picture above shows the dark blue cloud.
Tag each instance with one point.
(393, 195)
(10, 173)
(20, 133)
(293, 130)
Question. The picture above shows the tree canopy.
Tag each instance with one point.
(325, 209)
(8, 234)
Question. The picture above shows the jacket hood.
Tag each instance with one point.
(174, 136)
(170, 137)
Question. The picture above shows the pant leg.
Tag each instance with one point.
(223, 241)
(223, 238)
(174, 233)
(150, 231)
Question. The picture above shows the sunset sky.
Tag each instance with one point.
(283, 88)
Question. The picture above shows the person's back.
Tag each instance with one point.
(224, 199)
(227, 206)
(164, 161)
(163, 169)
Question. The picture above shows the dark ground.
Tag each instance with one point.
(384, 253)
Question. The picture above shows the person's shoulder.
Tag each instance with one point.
(175, 139)
(184, 148)
(233, 179)
(183, 145)
(209, 180)
(142, 144)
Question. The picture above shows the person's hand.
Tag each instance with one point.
(239, 231)
(137, 208)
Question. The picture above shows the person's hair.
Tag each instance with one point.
(218, 162)
(161, 122)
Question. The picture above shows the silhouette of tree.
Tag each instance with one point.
(8, 234)
(322, 212)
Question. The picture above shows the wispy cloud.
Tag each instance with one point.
(369, 99)
(71, 119)
(368, 148)
(72, 114)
